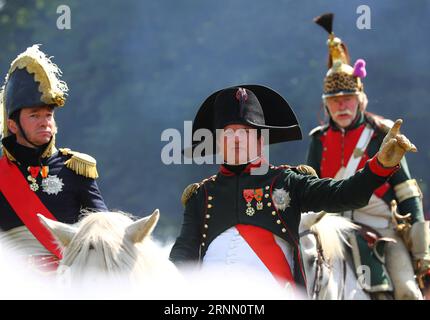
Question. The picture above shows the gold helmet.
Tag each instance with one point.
(341, 78)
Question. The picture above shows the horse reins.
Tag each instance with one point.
(316, 285)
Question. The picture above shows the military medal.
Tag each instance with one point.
(281, 199)
(248, 194)
(52, 185)
(358, 153)
(32, 177)
(34, 172)
(258, 195)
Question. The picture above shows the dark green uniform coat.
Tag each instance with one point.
(218, 204)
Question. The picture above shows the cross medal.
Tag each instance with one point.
(248, 194)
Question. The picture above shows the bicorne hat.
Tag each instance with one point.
(254, 105)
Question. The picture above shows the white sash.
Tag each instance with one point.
(357, 154)
(376, 213)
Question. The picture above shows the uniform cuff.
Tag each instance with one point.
(377, 168)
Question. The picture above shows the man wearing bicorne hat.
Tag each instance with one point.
(35, 176)
(342, 147)
(243, 219)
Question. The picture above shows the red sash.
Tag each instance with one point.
(26, 204)
(264, 245)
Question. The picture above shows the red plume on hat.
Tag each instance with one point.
(241, 95)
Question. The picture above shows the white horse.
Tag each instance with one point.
(111, 246)
(329, 273)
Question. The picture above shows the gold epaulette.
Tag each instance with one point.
(81, 163)
(192, 189)
(307, 170)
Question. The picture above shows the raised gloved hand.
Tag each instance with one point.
(394, 146)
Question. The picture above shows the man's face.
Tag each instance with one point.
(342, 109)
(37, 123)
(241, 144)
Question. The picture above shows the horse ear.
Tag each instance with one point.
(142, 228)
(61, 231)
(310, 218)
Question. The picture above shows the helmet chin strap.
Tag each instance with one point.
(25, 136)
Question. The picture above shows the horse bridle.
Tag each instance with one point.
(317, 283)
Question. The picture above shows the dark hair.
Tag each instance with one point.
(15, 115)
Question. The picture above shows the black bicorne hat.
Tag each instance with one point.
(22, 91)
(257, 106)
(33, 80)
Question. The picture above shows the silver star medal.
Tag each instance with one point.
(52, 185)
(281, 199)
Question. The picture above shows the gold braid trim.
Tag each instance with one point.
(81, 163)
(54, 90)
(50, 149)
(407, 189)
(7, 154)
(45, 72)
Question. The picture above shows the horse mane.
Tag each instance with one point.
(331, 230)
(102, 236)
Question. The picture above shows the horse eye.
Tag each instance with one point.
(310, 263)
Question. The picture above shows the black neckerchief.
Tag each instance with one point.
(24, 155)
(236, 169)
